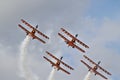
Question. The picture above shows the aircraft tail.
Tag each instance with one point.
(36, 26)
(99, 62)
(61, 58)
(76, 35)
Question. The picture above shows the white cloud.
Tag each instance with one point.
(50, 16)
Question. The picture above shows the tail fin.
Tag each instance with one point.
(76, 35)
(99, 62)
(36, 26)
(61, 58)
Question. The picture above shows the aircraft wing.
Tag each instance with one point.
(83, 44)
(89, 60)
(52, 55)
(104, 70)
(26, 23)
(35, 37)
(49, 60)
(97, 65)
(64, 70)
(86, 64)
(80, 42)
(42, 34)
(79, 48)
(23, 28)
(66, 40)
(100, 74)
(66, 32)
(67, 65)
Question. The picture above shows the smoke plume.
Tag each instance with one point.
(52, 74)
(24, 69)
(87, 77)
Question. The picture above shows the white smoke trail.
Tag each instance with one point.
(24, 69)
(52, 74)
(87, 77)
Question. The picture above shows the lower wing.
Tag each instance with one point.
(65, 39)
(79, 48)
(24, 29)
(35, 37)
(100, 74)
(86, 64)
(49, 60)
(60, 68)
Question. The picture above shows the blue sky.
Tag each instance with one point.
(104, 8)
(96, 21)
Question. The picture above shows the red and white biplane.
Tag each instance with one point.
(73, 40)
(95, 67)
(34, 30)
(58, 62)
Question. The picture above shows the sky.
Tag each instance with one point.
(96, 21)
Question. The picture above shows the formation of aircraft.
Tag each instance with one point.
(95, 67)
(73, 40)
(72, 43)
(57, 64)
(34, 30)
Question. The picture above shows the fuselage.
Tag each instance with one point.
(94, 68)
(57, 64)
(71, 43)
(32, 33)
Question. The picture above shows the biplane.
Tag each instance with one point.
(57, 64)
(73, 40)
(95, 67)
(34, 30)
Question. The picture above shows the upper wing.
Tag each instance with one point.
(39, 39)
(27, 23)
(34, 28)
(89, 60)
(104, 70)
(86, 64)
(42, 34)
(97, 65)
(64, 70)
(86, 46)
(66, 40)
(49, 60)
(52, 55)
(67, 65)
(23, 28)
(100, 74)
(66, 32)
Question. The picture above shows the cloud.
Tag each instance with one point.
(8, 63)
(51, 16)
